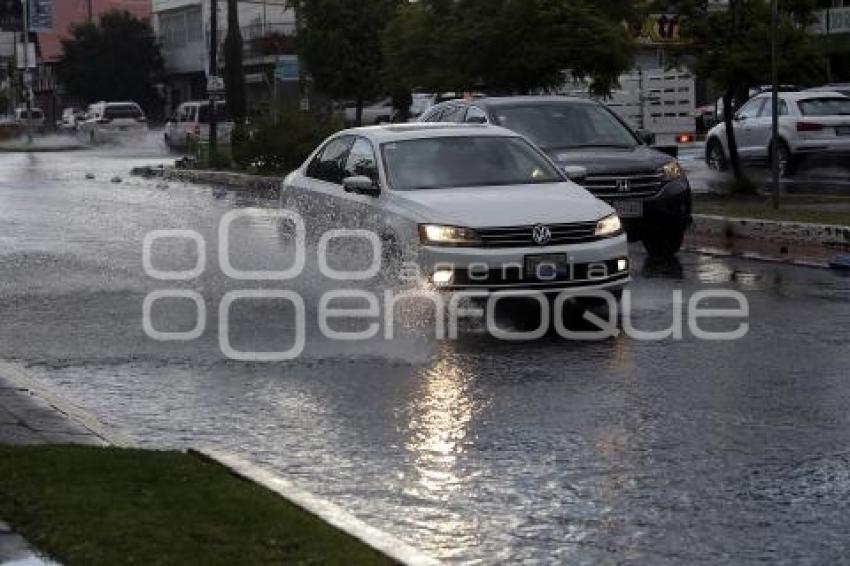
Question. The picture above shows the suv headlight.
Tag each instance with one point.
(436, 235)
(609, 226)
(672, 171)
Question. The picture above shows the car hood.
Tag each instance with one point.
(515, 205)
(600, 160)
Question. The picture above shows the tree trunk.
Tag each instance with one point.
(234, 74)
(731, 143)
(358, 120)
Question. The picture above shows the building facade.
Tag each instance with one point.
(183, 30)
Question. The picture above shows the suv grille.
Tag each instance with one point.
(522, 236)
(627, 185)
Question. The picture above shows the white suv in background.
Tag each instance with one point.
(190, 124)
(112, 121)
(810, 123)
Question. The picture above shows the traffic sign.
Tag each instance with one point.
(215, 85)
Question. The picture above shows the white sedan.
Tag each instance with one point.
(474, 207)
(810, 122)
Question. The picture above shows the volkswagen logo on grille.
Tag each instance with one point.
(541, 234)
(623, 185)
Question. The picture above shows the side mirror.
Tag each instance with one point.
(576, 173)
(739, 118)
(361, 185)
(646, 136)
(476, 120)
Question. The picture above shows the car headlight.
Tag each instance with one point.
(434, 234)
(609, 226)
(672, 171)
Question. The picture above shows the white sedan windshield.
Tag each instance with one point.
(474, 161)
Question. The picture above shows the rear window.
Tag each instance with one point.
(832, 106)
(221, 114)
(114, 111)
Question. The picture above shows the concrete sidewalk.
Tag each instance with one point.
(26, 418)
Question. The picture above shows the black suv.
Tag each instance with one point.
(599, 151)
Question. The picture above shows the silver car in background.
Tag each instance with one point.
(112, 122)
(475, 207)
(810, 123)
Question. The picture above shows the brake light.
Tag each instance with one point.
(809, 127)
(685, 138)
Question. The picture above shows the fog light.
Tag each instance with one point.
(442, 277)
(622, 264)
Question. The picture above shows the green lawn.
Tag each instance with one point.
(109, 506)
(814, 209)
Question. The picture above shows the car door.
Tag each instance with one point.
(761, 128)
(317, 192)
(745, 126)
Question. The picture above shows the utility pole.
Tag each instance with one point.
(27, 76)
(89, 14)
(774, 73)
(213, 78)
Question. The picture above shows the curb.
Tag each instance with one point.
(827, 235)
(22, 380)
(331, 513)
(229, 179)
(795, 243)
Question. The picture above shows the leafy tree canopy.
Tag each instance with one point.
(507, 45)
(115, 59)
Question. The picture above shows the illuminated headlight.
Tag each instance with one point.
(442, 277)
(622, 264)
(672, 171)
(448, 235)
(609, 226)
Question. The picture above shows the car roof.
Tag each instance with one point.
(424, 130)
(803, 95)
(495, 101)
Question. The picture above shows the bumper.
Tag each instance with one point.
(591, 265)
(671, 206)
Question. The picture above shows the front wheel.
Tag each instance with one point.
(663, 241)
(714, 156)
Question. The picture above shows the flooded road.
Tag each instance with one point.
(475, 450)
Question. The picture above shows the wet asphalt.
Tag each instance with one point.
(679, 451)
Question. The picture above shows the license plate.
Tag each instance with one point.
(546, 267)
(628, 208)
(842, 130)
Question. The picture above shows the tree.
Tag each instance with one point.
(513, 46)
(731, 48)
(234, 74)
(115, 59)
(340, 44)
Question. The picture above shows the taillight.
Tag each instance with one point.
(809, 127)
(685, 138)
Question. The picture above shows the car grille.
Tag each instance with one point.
(522, 236)
(627, 185)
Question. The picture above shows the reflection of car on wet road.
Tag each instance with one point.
(810, 123)
(112, 121)
(648, 188)
(479, 206)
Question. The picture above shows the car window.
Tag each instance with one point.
(827, 106)
(453, 113)
(221, 115)
(361, 160)
(767, 109)
(751, 109)
(468, 161)
(475, 115)
(329, 163)
(126, 111)
(566, 124)
(434, 115)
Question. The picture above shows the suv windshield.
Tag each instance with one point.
(114, 111)
(566, 125)
(436, 163)
(221, 114)
(833, 106)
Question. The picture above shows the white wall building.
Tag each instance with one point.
(182, 27)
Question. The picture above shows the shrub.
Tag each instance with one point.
(281, 145)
